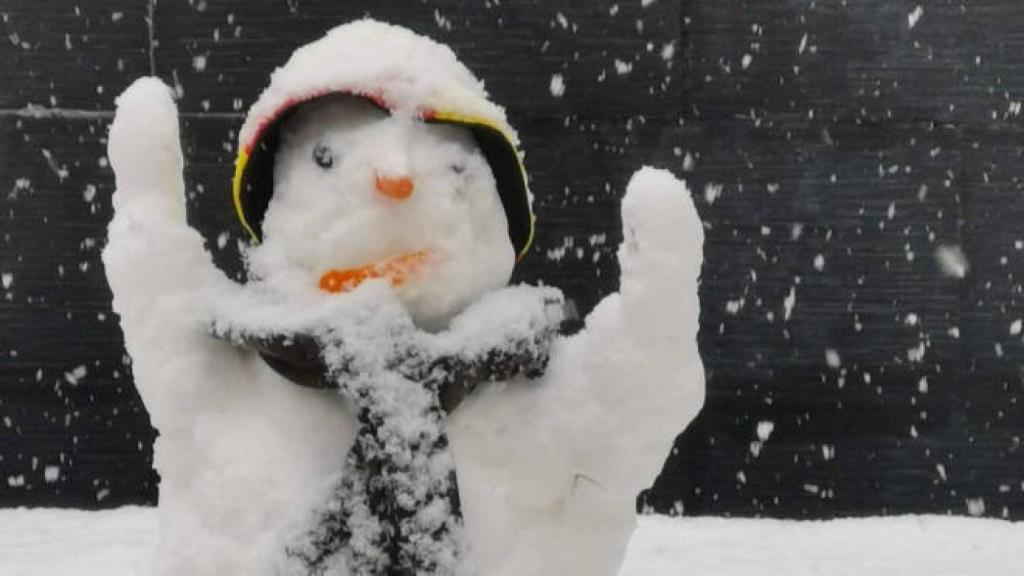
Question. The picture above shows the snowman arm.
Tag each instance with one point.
(152, 254)
(635, 367)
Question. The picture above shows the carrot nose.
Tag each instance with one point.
(394, 188)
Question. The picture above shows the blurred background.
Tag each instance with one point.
(857, 166)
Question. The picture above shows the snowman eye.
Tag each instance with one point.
(458, 168)
(323, 156)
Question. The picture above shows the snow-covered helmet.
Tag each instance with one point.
(398, 70)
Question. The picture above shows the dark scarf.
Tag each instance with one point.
(396, 509)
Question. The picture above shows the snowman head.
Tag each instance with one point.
(375, 154)
(362, 193)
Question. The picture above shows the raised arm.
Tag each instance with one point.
(635, 367)
(154, 259)
(559, 463)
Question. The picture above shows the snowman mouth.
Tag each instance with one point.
(397, 270)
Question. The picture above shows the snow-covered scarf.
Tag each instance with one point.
(395, 510)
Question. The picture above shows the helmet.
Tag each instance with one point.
(397, 70)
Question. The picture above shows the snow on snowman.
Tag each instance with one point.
(375, 400)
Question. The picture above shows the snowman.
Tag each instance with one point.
(375, 399)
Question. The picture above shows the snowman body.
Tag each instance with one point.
(548, 470)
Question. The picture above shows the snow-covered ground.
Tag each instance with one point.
(70, 542)
(903, 546)
(119, 542)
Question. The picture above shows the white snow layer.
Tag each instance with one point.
(548, 470)
(408, 71)
(240, 450)
(121, 543)
(893, 546)
(46, 542)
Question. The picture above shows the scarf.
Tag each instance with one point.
(395, 511)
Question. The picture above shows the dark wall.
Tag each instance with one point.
(864, 143)
(834, 152)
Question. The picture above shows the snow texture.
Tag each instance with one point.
(577, 447)
(548, 470)
(395, 509)
(120, 542)
(406, 70)
(903, 546)
(49, 542)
